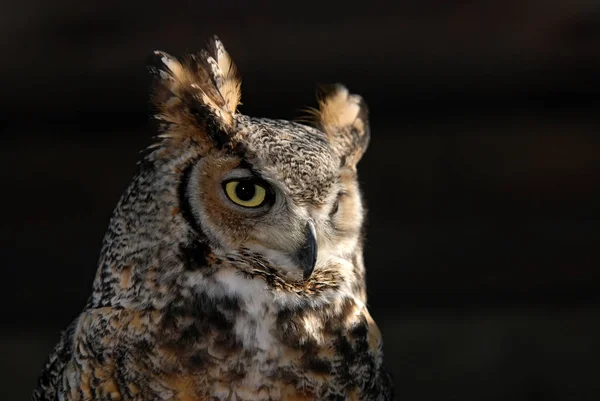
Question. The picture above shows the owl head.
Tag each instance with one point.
(269, 196)
(278, 189)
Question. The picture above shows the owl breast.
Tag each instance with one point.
(281, 362)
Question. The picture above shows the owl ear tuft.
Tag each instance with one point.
(201, 89)
(344, 118)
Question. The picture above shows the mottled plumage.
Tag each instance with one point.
(232, 267)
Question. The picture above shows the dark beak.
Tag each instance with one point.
(307, 255)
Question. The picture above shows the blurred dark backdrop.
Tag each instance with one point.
(482, 180)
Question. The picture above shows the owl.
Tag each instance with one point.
(232, 267)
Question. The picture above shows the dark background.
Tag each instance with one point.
(482, 179)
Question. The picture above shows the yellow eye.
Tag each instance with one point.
(246, 193)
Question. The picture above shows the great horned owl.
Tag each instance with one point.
(232, 268)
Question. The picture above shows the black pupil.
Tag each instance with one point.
(245, 190)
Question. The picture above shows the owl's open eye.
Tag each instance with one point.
(336, 205)
(247, 192)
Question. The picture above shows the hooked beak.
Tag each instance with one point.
(307, 255)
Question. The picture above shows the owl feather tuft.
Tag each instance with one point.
(200, 91)
(344, 118)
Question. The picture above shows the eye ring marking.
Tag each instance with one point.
(246, 192)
